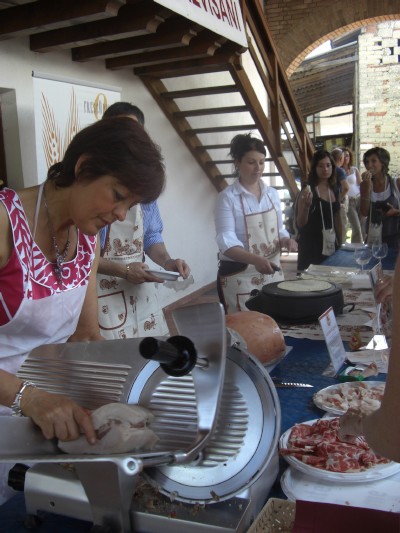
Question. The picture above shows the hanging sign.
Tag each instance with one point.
(220, 16)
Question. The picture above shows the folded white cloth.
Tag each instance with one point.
(361, 281)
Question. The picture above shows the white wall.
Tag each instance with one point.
(187, 204)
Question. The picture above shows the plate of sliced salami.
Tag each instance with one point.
(363, 395)
(314, 448)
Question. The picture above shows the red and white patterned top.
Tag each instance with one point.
(28, 273)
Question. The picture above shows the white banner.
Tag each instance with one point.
(63, 107)
(221, 16)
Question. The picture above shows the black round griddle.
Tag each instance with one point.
(302, 306)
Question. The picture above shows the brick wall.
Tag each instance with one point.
(299, 26)
(379, 90)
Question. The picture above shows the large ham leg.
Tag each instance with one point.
(120, 428)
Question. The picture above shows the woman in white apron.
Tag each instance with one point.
(317, 213)
(249, 228)
(127, 294)
(128, 309)
(47, 257)
(380, 199)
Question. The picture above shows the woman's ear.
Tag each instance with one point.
(78, 165)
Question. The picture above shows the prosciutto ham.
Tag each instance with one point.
(318, 445)
(355, 395)
(120, 428)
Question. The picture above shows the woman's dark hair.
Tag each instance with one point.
(313, 176)
(120, 109)
(117, 147)
(243, 143)
(382, 154)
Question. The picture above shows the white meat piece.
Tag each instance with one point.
(120, 428)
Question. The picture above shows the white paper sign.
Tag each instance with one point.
(333, 339)
(223, 17)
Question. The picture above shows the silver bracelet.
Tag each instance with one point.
(16, 405)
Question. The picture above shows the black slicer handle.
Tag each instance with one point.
(177, 355)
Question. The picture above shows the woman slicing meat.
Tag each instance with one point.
(317, 213)
(48, 260)
(249, 228)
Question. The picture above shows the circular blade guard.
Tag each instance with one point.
(241, 446)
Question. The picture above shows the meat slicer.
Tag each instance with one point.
(218, 427)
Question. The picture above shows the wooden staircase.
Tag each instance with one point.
(208, 100)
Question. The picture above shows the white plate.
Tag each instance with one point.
(166, 275)
(351, 246)
(374, 473)
(334, 409)
(382, 495)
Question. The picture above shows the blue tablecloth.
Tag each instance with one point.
(345, 258)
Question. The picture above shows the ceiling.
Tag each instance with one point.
(327, 80)
(126, 34)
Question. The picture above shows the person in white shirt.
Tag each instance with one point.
(353, 211)
(249, 228)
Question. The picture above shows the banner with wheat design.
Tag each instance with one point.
(61, 109)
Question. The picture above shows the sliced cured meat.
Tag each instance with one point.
(318, 445)
(365, 396)
(120, 428)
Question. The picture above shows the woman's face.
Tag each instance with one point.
(97, 203)
(373, 164)
(346, 158)
(324, 169)
(251, 166)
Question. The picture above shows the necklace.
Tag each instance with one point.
(60, 256)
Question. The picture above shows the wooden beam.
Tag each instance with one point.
(212, 111)
(202, 45)
(219, 62)
(22, 19)
(174, 32)
(201, 91)
(145, 17)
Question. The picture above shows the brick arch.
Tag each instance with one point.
(299, 27)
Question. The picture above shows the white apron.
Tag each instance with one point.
(37, 322)
(128, 310)
(263, 239)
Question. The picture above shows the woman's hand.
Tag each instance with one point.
(351, 425)
(178, 265)
(57, 415)
(263, 266)
(305, 199)
(137, 273)
(289, 244)
(383, 289)
(366, 185)
(392, 211)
